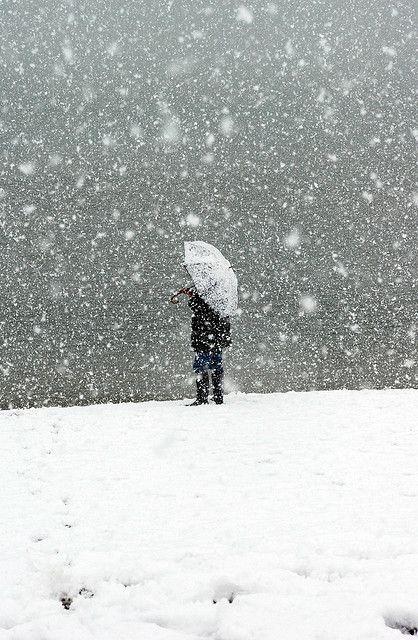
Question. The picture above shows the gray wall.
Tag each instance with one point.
(280, 132)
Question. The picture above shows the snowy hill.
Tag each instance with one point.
(275, 517)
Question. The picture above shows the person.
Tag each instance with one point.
(210, 335)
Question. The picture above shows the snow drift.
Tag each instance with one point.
(288, 516)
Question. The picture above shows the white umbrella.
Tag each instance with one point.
(213, 276)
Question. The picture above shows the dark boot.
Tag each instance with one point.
(218, 387)
(202, 389)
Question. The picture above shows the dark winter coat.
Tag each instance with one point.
(210, 332)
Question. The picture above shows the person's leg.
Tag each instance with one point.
(217, 378)
(200, 367)
(202, 386)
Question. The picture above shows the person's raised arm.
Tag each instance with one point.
(187, 292)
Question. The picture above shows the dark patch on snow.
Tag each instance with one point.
(66, 601)
(230, 599)
(38, 538)
(403, 625)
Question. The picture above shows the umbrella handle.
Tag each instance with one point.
(175, 297)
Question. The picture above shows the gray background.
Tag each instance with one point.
(281, 132)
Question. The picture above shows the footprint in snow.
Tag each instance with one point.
(67, 600)
(226, 590)
(403, 621)
(40, 537)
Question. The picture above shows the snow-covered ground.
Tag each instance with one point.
(300, 508)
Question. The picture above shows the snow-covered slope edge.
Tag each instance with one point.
(284, 516)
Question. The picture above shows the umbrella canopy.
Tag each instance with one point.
(213, 276)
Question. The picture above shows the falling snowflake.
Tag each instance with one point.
(192, 220)
(292, 240)
(244, 14)
(308, 304)
(226, 125)
(27, 168)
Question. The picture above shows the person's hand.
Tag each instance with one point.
(187, 292)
